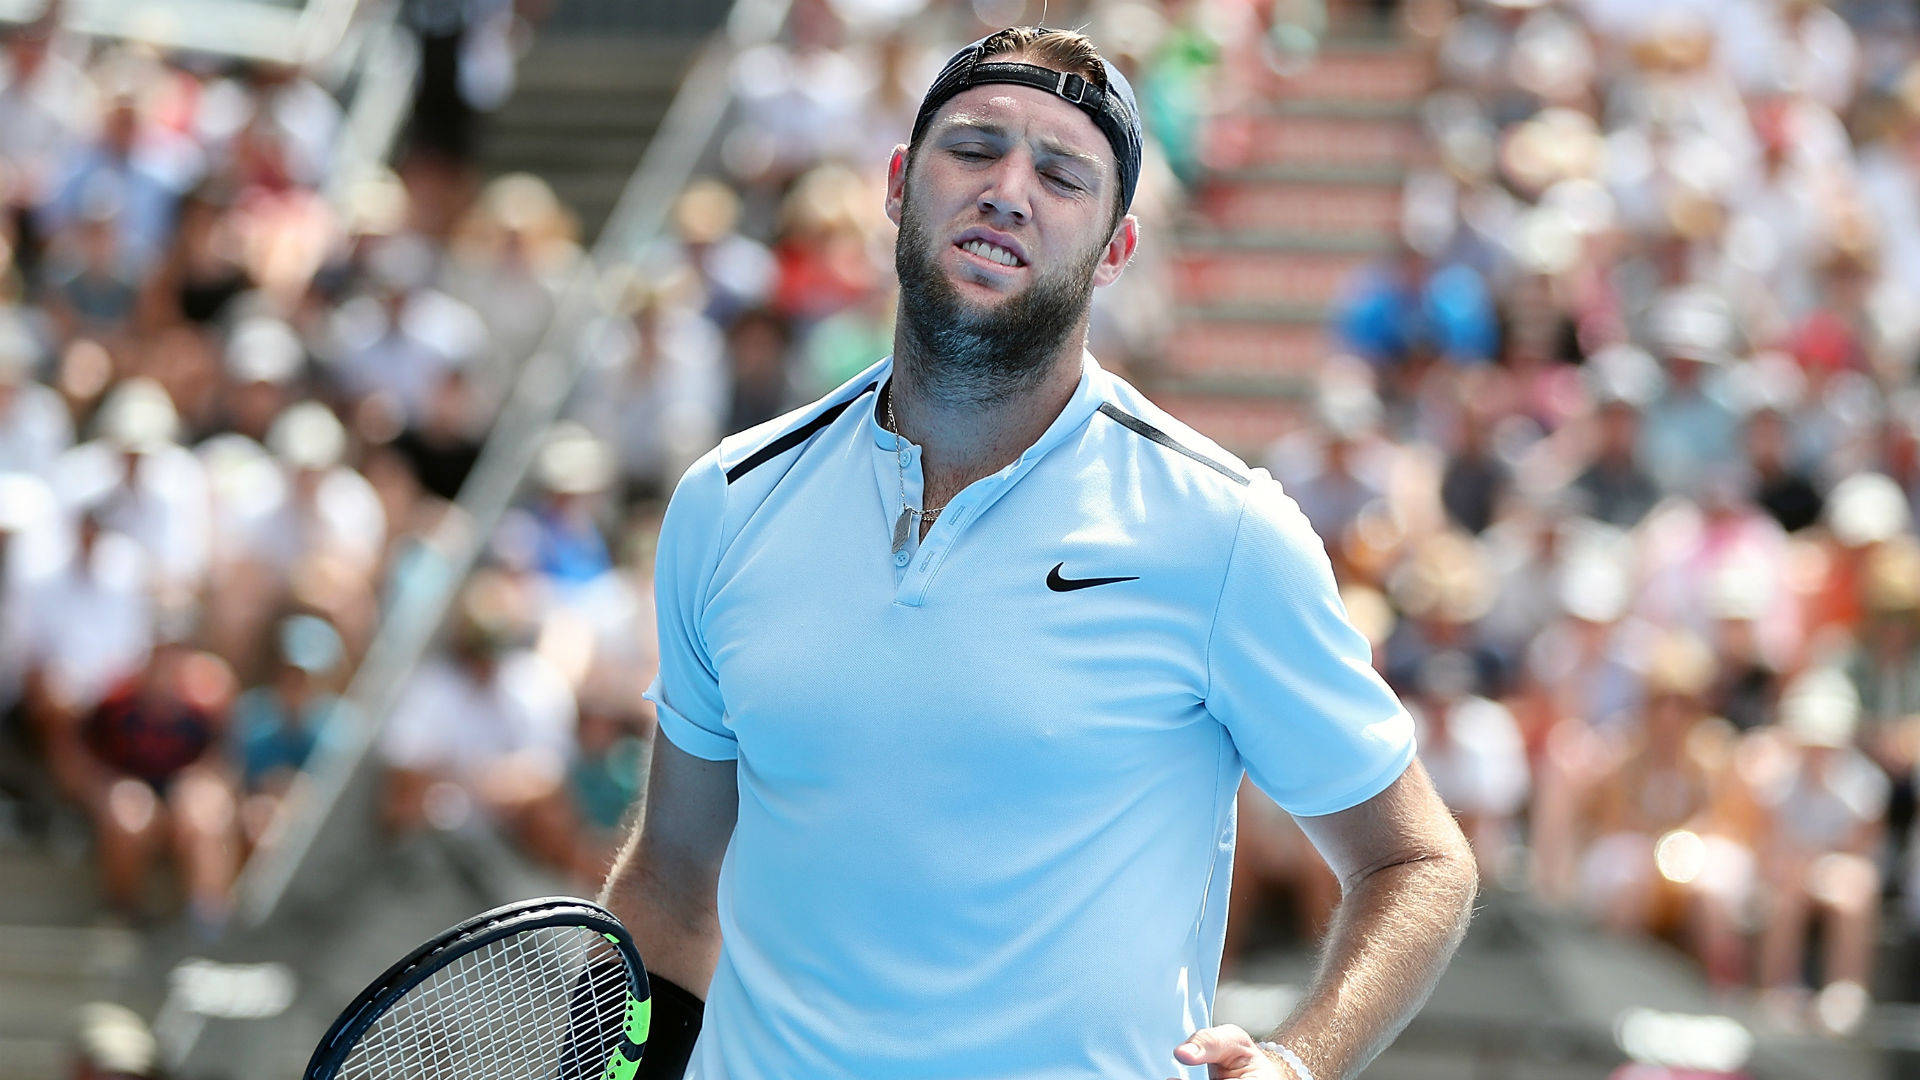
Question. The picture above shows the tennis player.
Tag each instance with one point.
(962, 665)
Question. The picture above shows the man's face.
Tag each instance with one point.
(1030, 175)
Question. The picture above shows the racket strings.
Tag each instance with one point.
(530, 1006)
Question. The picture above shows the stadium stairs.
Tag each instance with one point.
(57, 952)
(1303, 190)
(584, 109)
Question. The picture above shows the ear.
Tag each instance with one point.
(1119, 251)
(896, 182)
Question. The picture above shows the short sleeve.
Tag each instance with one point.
(1290, 677)
(686, 691)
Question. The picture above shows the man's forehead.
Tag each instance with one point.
(1027, 113)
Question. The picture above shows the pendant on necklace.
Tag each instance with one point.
(900, 530)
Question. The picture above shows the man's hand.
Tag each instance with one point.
(1230, 1054)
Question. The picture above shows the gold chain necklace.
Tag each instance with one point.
(908, 512)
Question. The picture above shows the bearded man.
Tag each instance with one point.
(962, 664)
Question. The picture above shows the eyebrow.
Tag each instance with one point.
(1050, 145)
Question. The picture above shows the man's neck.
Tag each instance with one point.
(962, 441)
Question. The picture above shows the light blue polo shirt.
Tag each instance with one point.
(986, 818)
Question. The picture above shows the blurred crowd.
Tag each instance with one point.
(230, 407)
(1620, 474)
(1617, 467)
(239, 399)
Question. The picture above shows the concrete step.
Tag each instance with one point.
(45, 888)
(1238, 420)
(36, 1057)
(47, 973)
(1203, 239)
(1272, 138)
(1313, 174)
(531, 149)
(583, 112)
(1339, 108)
(1240, 343)
(1318, 207)
(1290, 277)
(1383, 73)
(613, 114)
(597, 66)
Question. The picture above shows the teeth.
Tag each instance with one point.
(989, 251)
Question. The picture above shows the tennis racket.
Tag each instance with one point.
(548, 989)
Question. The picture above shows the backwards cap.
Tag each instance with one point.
(1111, 108)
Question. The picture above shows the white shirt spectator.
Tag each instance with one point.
(1478, 763)
(342, 515)
(1818, 808)
(92, 624)
(32, 547)
(658, 413)
(35, 428)
(42, 116)
(405, 357)
(163, 505)
(449, 722)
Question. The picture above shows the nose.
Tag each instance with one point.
(1005, 196)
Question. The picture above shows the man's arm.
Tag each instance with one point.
(662, 884)
(1407, 884)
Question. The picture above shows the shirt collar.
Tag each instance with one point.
(1086, 398)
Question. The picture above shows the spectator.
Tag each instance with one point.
(89, 626)
(1409, 309)
(278, 726)
(1472, 748)
(35, 428)
(1825, 804)
(759, 348)
(1618, 490)
(144, 484)
(1666, 852)
(130, 177)
(144, 763)
(483, 733)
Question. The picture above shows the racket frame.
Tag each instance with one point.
(457, 941)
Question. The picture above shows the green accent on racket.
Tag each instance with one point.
(620, 1066)
(639, 1018)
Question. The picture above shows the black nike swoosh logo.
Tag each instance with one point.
(1060, 584)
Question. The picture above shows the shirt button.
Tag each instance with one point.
(901, 558)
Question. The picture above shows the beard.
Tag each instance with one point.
(975, 354)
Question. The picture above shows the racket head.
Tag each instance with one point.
(619, 1000)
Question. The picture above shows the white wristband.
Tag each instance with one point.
(1292, 1059)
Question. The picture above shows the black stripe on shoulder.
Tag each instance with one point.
(793, 438)
(1142, 428)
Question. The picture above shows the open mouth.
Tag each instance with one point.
(991, 255)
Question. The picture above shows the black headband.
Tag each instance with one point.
(1112, 109)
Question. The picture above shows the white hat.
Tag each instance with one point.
(264, 349)
(138, 415)
(573, 462)
(308, 436)
(1866, 508)
(1821, 708)
(25, 501)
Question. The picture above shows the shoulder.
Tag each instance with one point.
(1170, 458)
(720, 490)
(1209, 487)
(768, 449)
